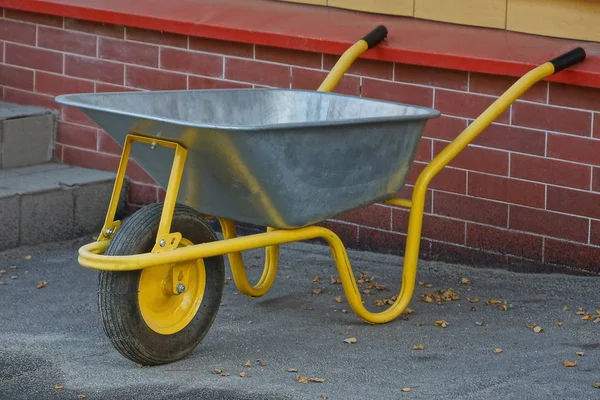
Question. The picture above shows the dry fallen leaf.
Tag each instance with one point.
(559, 323)
(427, 298)
(304, 379)
(325, 397)
(579, 354)
(14, 277)
(406, 389)
(596, 385)
(465, 281)
(408, 310)
(336, 281)
(79, 396)
(587, 318)
(350, 340)
(29, 258)
(338, 299)
(473, 300)
(597, 320)
(492, 301)
(13, 267)
(473, 308)
(242, 374)
(497, 351)
(59, 387)
(480, 323)
(502, 307)
(316, 291)
(566, 308)
(428, 285)
(291, 370)
(2, 271)
(217, 371)
(41, 284)
(538, 329)
(367, 292)
(418, 347)
(450, 295)
(422, 323)
(262, 363)
(441, 323)
(248, 364)
(316, 278)
(344, 311)
(308, 308)
(569, 364)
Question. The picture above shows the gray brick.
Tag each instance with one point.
(91, 205)
(9, 222)
(27, 141)
(47, 217)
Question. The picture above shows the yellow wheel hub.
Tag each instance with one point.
(163, 308)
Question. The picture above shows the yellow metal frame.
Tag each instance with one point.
(91, 255)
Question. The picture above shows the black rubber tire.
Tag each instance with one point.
(118, 291)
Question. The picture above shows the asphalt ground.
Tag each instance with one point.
(53, 335)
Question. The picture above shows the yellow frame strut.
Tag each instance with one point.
(91, 255)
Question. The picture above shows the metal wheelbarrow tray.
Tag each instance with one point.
(283, 159)
(271, 157)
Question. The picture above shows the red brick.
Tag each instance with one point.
(595, 233)
(153, 79)
(73, 114)
(449, 179)
(376, 216)
(434, 226)
(596, 127)
(504, 241)
(424, 150)
(470, 209)
(162, 194)
(142, 194)
(545, 170)
(222, 47)
(257, 72)
(93, 68)
(477, 159)
(107, 87)
(548, 223)
(193, 63)
(70, 42)
(571, 254)
(397, 92)
(364, 67)
(552, 118)
(465, 255)
(76, 135)
(106, 144)
(58, 84)
(287, 56)
(310, 79)
(441, 78)
(596, 179)
(574, 96)
(35, 58)
(463, 104)
(137, 174)
(574, 148)
(96, 28)
(346, 232)
(444, 127)
(586, 204)
(155, 37)
(407, 191)
(40, 19)
(16, 77)
(199, 82)
(506, 189)
(128, 52)
(512, 138)
(496, 85)
(90, 159)
(387, 242)
(1, 52)
(19, 32)
(30, 99)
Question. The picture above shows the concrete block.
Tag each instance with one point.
(91, 205)
(9, 222)
(27, 141)
(47, 217)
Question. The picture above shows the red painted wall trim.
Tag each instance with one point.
(327, 30)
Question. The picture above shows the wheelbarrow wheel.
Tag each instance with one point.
(142, 316)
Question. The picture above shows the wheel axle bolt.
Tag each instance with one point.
(163, 243)
(108, 231)
(180, 288)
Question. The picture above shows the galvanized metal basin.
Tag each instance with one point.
(271, 157)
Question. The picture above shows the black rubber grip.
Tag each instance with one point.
(376, 36)
(569, 59)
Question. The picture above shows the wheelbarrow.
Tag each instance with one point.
(282, 159)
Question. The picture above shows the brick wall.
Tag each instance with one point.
(526, 194)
